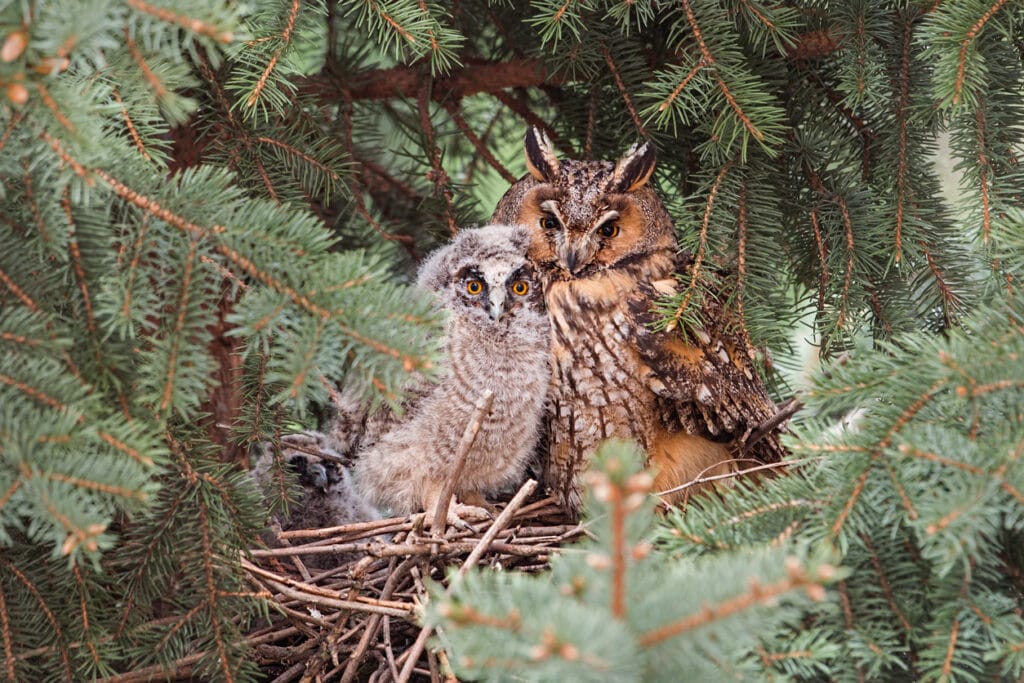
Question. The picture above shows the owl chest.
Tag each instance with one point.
(515, 369)
(598, 390)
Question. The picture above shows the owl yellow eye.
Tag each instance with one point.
(474, 287)
(520, 287)
(608, 230)
(548, 222)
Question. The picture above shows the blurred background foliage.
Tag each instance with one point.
(211, 210)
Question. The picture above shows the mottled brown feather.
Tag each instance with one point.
(690, 397)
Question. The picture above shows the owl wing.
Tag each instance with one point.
(705, 377)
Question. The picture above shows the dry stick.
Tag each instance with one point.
(388, 652)
(285, 443)
(476, 420)
(497, 527)
(370, 632)
(784, 411)
(485, 543)
(314, 594)
(733, 475)
(391, 524)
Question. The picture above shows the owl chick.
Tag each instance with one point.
(605, 250)
(496, 338)
(327, 496)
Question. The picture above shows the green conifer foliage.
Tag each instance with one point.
(210, 211)
(612, 609)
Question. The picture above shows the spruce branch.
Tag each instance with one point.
(285, 40)
(797, 580)
(709, 59)
(51, 618)
(477, 143)
(188, 23)
(626, 99)
(902, 114)
(695, 269)
(965, 44)
(438, 176)
(5, 632)
(157, 85)
(130, 125)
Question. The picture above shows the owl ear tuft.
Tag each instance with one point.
(541, 160)
(634, 169)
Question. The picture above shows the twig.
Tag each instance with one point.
(785, 410)
(377, 526)
(733, 475)
(499, 524)
(413, 654)
(476, 420)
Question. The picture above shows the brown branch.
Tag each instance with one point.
(902, 116)
(437, 174)
(741, 257)
(58, 632)
(622, 90)
(983, 167)
(159, 90)
(734, 475)
(210, 570)
(404, 82)
(18, 292)
(345, 113)
(30, 197)
(5, 631)
(300, 154)
(17, 118)
(518, 106)
(858, 488)
(51, 104)
(136, 138)
(179, 325)
(682, 85)
(840, 202)
(78, 267)
(947, 664)
(884, 583)
(474, 139)
(499, 524)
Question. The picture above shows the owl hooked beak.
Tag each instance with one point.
(497, 301)
(575, 257)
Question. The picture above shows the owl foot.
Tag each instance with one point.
(459, 516)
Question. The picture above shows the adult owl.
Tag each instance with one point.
(496, 338)
(606, 251)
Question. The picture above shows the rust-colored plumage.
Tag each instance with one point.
(606, 251)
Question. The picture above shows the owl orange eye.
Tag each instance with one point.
(608, 230)
(549, 222)
(520, 287)
(474, 287)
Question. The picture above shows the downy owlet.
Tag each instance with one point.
(497, 338)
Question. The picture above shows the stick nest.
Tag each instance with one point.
(355, 617)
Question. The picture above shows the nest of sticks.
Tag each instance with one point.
(357, 620)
